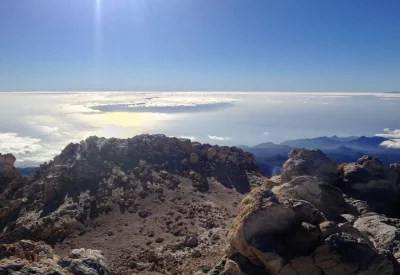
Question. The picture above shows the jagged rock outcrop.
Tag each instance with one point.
(302, 223)
(329, 199)
(304, 162)
(28, 257)
(10, 182)
(7, 169)
(384, 232)
(86, 261)
(77, 183)
(292, 237)
(171, 187)
(8, 173)
(371, 181)
(158, 204)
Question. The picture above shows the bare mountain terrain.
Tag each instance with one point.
(158, 205)
(148, 203)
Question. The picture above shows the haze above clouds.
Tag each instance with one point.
(37, 126)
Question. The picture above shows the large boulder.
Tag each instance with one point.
(384, 232)
(327, 198)
(304, 162)
(275, 234)
(371, 181)
(343, 254)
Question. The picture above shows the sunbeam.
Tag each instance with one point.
(98, 38)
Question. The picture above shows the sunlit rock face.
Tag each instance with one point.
(304, 162)
(195, 188)
(312, 219)
(317, 219)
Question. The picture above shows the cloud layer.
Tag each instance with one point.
(37, 126)
(219, 138)
(393, 136)
(11, 142)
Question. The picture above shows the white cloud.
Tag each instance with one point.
(48, 129)
(218, 138)
(393, 136)
(12, 143)
(265, 133)
(21, 147)
(394, 143)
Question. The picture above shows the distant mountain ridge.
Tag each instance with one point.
(334, 142)
(271, 156)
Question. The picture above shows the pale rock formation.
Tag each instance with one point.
(325, 197)
(304, 162)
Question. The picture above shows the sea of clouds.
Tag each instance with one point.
(37, 126)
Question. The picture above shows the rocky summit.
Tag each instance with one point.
(318, 218)
(153, 204)
(150, 203)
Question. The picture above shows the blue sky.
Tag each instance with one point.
(261, 45)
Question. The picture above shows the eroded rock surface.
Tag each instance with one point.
(372, 181)
(329, 199)
(304, 162)
(308, 221)
(290, 236)
(158, 205)
(28, 257)
(151, 203)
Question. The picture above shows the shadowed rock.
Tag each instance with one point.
(371, 181)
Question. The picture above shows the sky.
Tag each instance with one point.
(200, 45)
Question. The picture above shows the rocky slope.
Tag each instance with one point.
(150, 203)
(158, 205)
(28, 257)
(318, 219)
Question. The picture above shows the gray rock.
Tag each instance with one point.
(289, 236)
(371, 181)
(328, 228)
(191, 240)
(325, 197)
(194, 158)
(28, 257)
(86, 262)
(343, 254)
(304, 162)
(384, 232)
(211, 153)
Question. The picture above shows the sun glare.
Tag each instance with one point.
(98, 12)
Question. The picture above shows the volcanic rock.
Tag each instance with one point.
(327, 198)
(28, 257)
(371, 181)
(304, 162)
(274, 234)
